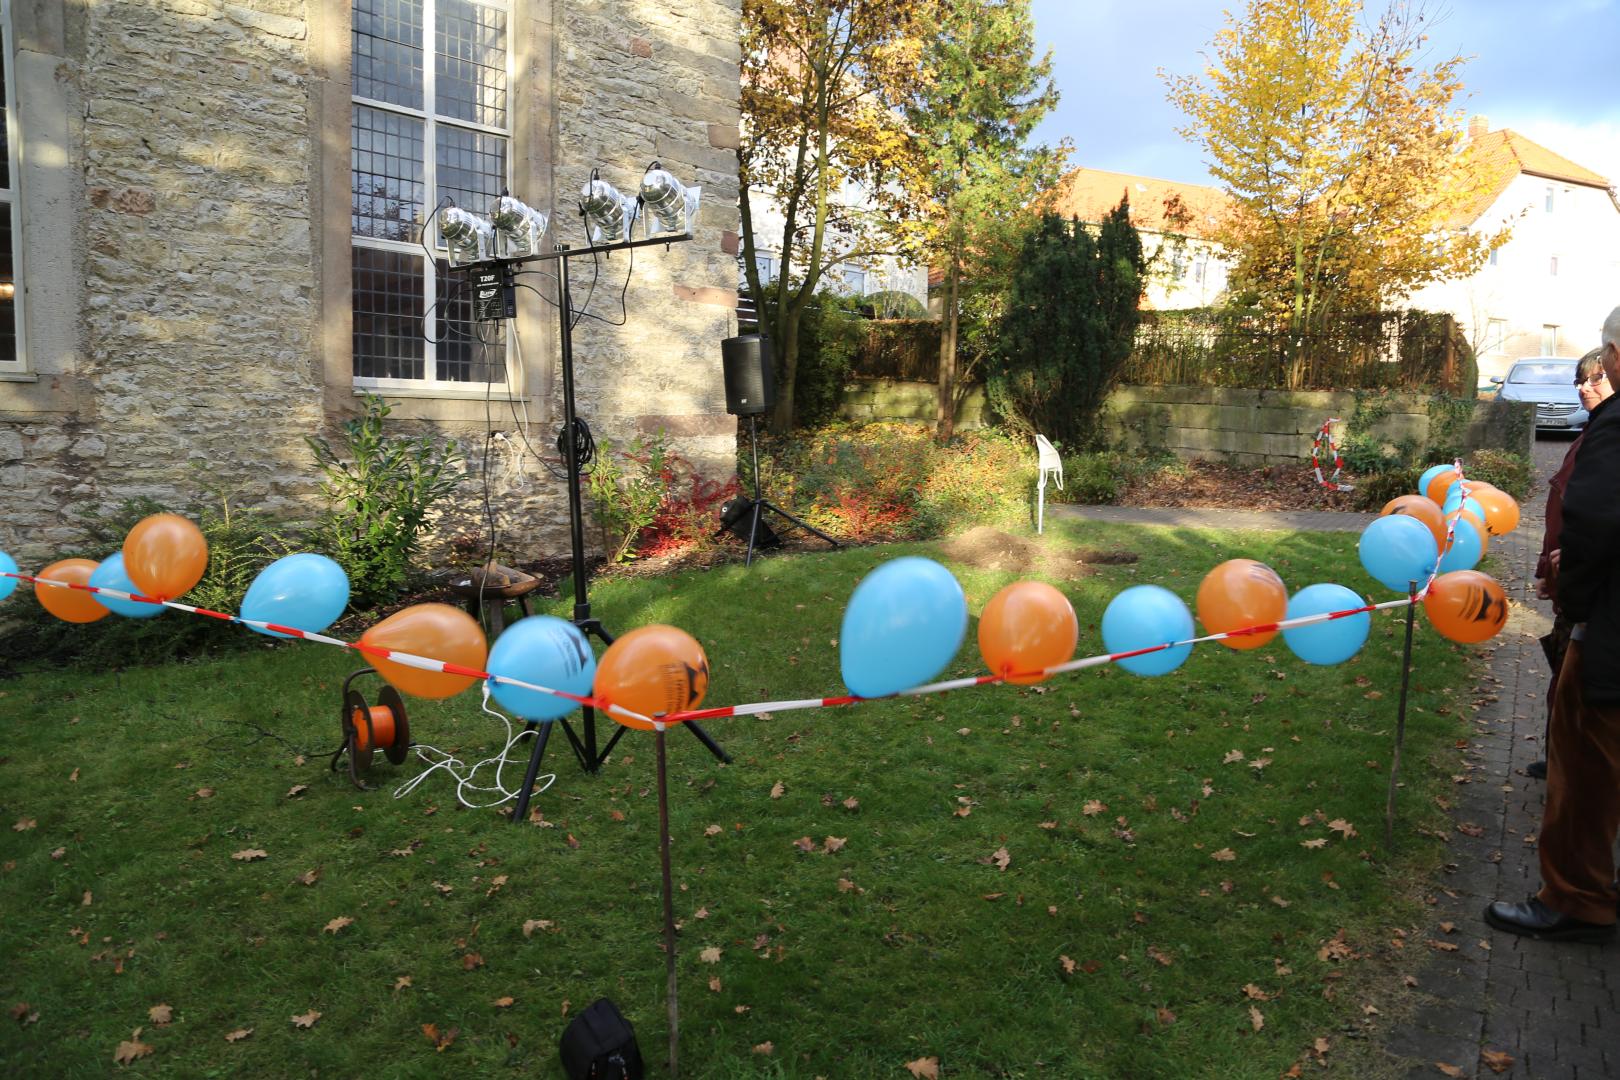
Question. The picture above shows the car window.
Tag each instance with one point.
(1542, 374)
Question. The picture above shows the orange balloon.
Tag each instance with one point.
(1424, 509)
(1479, 527)
(70, 605)
(1437, 486)
(1026, 627)
(1466, 606)
(1240, 593)
(1501, 509)
(438, 632)
(164, 555)
(652, 670)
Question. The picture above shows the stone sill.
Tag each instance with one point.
(434, 393)
(18, 376)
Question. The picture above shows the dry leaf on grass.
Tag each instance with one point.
(778, 790)
(714, 983)
(205, 793)
(1319, 842)
(1256, 1020)
(441, 1042)
(1223, 855)
(713, 830)
(503, 1002)
(531, 925)
(471, 961)
(805, 844)
(160, 1014)
(924, 1068)
(131, 1049)
(297, 790)
(337, 924)
(1339, 825)
(306, 1020)
(250, 854)
(852, 803)
(1165, 1016)
(1231, 756)
(401, 983)
(24, 1013)
(238, 1035)
(309, 877)
(1449, 1069)
(1067, 965)
(1093, 807)
(1496, 1060)
(1254, 993)
(766, 1047)
(1164, 958)
(711, 955)
(1001, 858)
(835, 843)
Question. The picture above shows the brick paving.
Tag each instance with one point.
(1554, 1009)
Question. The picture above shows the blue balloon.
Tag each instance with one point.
(8, 585)
(1397, 550)
(110, 575)
(305, 591)
(1143, 616)
(904, 622)
(1429, 474)
(1331, 641)
(1455, 501)
(547, 651)
(1466, 547)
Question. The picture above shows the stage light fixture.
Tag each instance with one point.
(609, 215)
(470, 238)
(670, 204)
(519, 228)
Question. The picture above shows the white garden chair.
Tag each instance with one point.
(1051, 465)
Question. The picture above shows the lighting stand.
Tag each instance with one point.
(585, 747)
(759, 504)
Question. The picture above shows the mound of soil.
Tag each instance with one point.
(992, 549)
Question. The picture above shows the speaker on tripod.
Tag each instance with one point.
(750, 377)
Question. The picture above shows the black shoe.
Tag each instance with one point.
(1536, 920)
(1536, 770)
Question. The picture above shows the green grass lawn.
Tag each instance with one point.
(1073, 880)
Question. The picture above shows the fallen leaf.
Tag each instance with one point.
(713, 830)
(24, 1014)
(805, 844)
(711, 955)
(1231, 756)
(1165, 1016)
(297, 790)
(59, 854)
(573, 842)
(1001, 858)
(444, 890)
(401, 983)
(1259, 763)
(503, 1002)
(1442, 946)
(616, 815)
(496, 883)
(1066, 964)
(441, 1041)
(1223, 855)
(73, 777)
(130, 1050)
(1279, 901)
(89, 898)
(531, 925)
(471, 961)
(24, 824)
(778, 790)
(306, 1020)
(1468, 828)
(1448, 928)
(1409, 980)
(401, 853)
(250, 854)
(852, 803)
(205, 793)
(1164, 959)
(1449, 1069)
(238, 1035)
(1093, 807)
(160, 1014)
(1339, 825)
(309, 877)
(846, 885)
(714, 983)
(924, 1068)
(337, 924)
(1255, 1019)
(1496, 1060)
(1320, 1046)
(764, 1048)
(1319, 842)
(1254, 993)
(835, 843)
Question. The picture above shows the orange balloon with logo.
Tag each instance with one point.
(1466, 606)
(1424, 509)
(1436, 490)
(1027, 627)
(1479, 527)
(435, 631)
(1240, 593)
(164, 555)
(70, 605)
(1501, 509)
(652, 670)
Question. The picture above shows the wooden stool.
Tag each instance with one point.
(489, 589)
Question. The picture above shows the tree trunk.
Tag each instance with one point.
(945, 407)
(786, 344)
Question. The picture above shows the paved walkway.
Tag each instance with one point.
(1554, 1009)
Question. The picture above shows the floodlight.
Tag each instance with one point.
(671, 204)
(608, 214)
(471, 239)
(518, 228)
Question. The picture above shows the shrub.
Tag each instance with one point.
(983, 475)
(1091, 478)
(689, 514)
(380, 488)
(1509, 471)
(626, 491)
(1375, 489)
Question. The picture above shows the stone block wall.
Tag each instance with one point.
(185, 211)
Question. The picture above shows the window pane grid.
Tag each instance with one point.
(388, 340)
(470, 167)
(385, 164)
(470, 63)
(8, 301)
(387, 42)
(461, 356)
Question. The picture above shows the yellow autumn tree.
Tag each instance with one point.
(1347, 163)
(822, 136)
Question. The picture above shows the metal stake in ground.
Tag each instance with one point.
(669, 902)
(1400, 719)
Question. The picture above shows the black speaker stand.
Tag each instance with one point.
(759, 504)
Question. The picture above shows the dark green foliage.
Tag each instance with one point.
(1092, 478)
(1373, 490)
(1070, 319)
(906, 349)
(381, 488)
(1501, 468)
(830, 333)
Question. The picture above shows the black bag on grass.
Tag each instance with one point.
(600, 1044)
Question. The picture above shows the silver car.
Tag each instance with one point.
(1549, 381)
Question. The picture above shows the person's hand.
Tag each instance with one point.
(1552, 559)
(1544, 588)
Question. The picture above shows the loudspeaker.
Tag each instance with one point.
(750, 375)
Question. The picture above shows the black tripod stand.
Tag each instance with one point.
(755, 508)
(584, 747)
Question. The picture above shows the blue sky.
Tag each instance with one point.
(1548, 69)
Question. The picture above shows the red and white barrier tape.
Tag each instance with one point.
(1331, 483)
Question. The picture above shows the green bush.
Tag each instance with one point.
(626, 490)
(380, 488)
(1502, 468)
(1375, 489)
(1093, 478)
(830, 336)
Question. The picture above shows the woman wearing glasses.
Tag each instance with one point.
(1592, 384)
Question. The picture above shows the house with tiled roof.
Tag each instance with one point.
(1176, 221)
(1544, 292)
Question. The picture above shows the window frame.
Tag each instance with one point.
(12, 194)
(1549, 339)
(1495, 336)
(438, 267)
